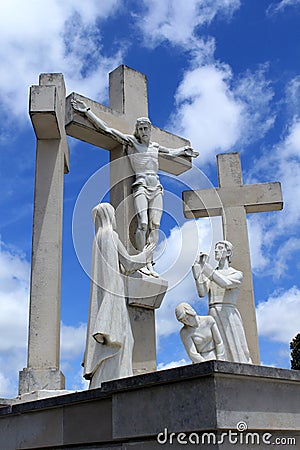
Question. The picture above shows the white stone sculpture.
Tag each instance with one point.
(199, 334)
(222, 286)
(147, 190)
(109, 344)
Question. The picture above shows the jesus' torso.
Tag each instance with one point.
(143, 158)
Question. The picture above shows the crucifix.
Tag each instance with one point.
(233, 200)
(53, 118)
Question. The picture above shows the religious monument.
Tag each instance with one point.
(130, 403)
(147, 197)
(53, 117)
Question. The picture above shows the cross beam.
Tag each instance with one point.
(233, 200)
(128, 100)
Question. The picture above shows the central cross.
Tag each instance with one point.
(128, 100)
(53, 117)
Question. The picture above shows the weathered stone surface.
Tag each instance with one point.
(211, 397)
(52, 155)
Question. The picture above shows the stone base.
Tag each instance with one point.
(215, 405)
(40, 380)
(32, 396)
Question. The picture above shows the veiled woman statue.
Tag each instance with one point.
(109, 343)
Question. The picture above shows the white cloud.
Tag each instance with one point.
(283, 161)
(292, 96)
(256, 232)
(14, 307)
(172, 364)
(254, 90)
(217, 113)
(278, 317)
(14, 284)
(72, 341)
(52, 37)
(281, 6)
(6, 387)
(206, 110)
(176, 21)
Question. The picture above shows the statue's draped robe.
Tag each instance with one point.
(223, 308)
(109, 344)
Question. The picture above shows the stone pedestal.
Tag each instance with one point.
(218, 404)
(38, 379)
(144, 295)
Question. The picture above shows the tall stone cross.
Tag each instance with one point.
(53, 117)
(232, 200)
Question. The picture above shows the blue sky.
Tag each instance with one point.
(223, 73)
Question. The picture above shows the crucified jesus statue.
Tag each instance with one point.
(146, 189)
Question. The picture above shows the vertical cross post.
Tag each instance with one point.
(128, 96)
(128, 100)
(47, 111)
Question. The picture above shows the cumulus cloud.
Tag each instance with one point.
(283, 160)
(259, 260)
(219, 113)
(14, 282)
(14, 307)
(255, 92)
(292, 96)
(278, 317)
(175, 21)
(207, 111)
(216, 111)
(53, 37)
(72, 341)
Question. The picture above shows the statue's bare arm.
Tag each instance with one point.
(181, 151)
(202, 281)
(132, 263)
(120, 137)
(190, 347)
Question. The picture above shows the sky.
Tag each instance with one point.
(224, 74)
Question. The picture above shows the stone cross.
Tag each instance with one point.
(47, 111)
(233, 200)
(53, 117)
